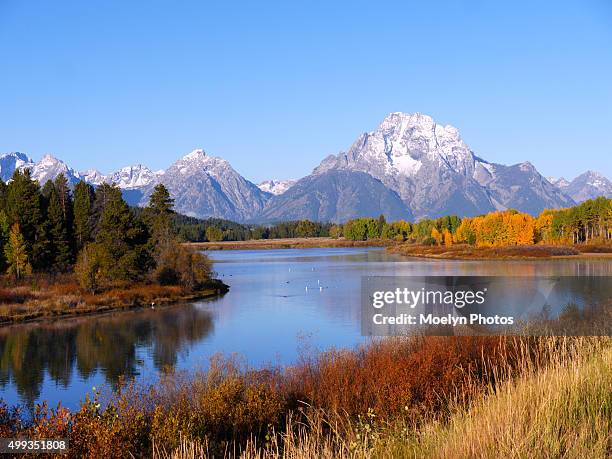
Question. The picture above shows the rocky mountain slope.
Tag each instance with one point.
(586, 186)
(436, 173)
(336, 196)
(207, 186)
(408, 167)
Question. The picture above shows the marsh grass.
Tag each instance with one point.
(441, 397)
(464, 251)
(556, 403)
(51, 296)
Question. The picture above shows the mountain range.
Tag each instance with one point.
(409, 167)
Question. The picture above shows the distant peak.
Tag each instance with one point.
(195, 154)
(416, 118)
(49, 159)
(527, 166)
(18, 155)
(135, 167)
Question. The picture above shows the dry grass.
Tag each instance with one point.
(558, 407)
(468, 252)
(514, 397)
(595, 248)
(45, 296)
(290, 243)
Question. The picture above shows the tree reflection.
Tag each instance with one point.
(108, 344)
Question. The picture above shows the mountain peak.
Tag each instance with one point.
(589, 185)
(593, 174)
(16, 155)
(133, 177)
(198, 153)
(50, 160)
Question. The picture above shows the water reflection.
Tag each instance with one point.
(105, 344)
(281, 301)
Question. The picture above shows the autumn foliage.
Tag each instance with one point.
(411, 378)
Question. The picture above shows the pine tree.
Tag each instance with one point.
(65, 203)
(160, 201)
(17, 254)
(58, 230)
(4, 238)
(122, 236)
(104, 194)
(158, 215)
(82, 213)
(3, 193)
(25, 206)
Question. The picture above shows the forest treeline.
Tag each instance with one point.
(588, 222)
(96, 235)
(192, 229)
(93, 233)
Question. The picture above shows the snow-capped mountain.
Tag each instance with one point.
(276, 187)
(11, 161)
(409, 167)
(207, 186)
(560, 182)
(137, 176)
(589, 185)
(436, 173)
(48, 168)
(94, 177)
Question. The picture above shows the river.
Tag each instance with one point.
(281, 303)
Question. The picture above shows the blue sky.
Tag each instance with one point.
(276, 86)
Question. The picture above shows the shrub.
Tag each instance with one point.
(181, 265)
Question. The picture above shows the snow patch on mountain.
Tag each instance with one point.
(48, 168)
(93, 177)
(435, 172)
(129, 177)
(589, 185)
(11, 161)
(276, 187)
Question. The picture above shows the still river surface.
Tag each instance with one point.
(268, 317)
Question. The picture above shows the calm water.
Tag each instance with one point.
(281, 303)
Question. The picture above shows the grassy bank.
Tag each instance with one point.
(410, 397)
(559, 406)
(43, 297)
(468, 252)
(290, 243)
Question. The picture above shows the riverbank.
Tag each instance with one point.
(398, 397)
(60, 296)
(524, 252)
(290, 243)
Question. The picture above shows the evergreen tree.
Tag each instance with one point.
(4, 237)
(59, 232)
(82, 213)
(381, 224)
(158, 215)
(160, 201)
(103, 195)
(17, 254)
(123, 237)
(25, 206)
(3, 193)
(46, 191)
